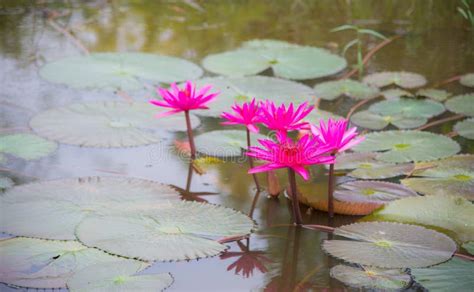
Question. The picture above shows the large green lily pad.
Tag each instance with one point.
(449, 176)
(407, 107)
(225, 143)
(449, 214)
(316, 115)
(371, 277)
(36, 263)
(52, 209)
(390, 245)
(372, 192)
(179, 231)
(118, 70)
(286, 60)
(25, 146)
(467, 80)
(401, 79)
(436, 94)
(461, 104)
(242, 89)
(454, 275)
(117, 276)
(107, 124)
(331, 90)
(465, 128)
(406, 146)
(374, 121)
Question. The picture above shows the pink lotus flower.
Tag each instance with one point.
(286, 153)
(335, 135)
(186, 99)
(247, 114)
(284, 119)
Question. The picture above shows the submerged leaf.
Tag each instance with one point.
(461, 104)
(465, 128)
(402, 79)
(371, 192)
(331, 90)
(225, 143)
(467, 80)
(436, 94)
(394, 93)
(469, 246)
(6, 183)
(26, 146)
(405, 107)
(371, 277)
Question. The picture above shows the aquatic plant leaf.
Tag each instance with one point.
(242, 89)
(52, 209)
(114, 71)
(37, 263)
(423, 108)
(461, 104)
(465, 128)
(394, 93)
(114, 124)
(450, 176)
(117, 276)
(26, 146)
(436, 94)
(287, 60)
(469, 246)
(467, 80)
(371, 277)
(406, 146)
(225, 143)
(331, 90)
(390, 245)
(449, 214)
(454, 275)
(6, 183)
(371, 192)
(179, 231)
(374, 121)
(402, 79)
(316, 115)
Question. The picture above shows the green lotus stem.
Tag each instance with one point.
(251, 161)
(297, 219)
(331, 191)
(190, 135)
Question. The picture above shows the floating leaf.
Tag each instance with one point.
(423, 108)
(461, 104)
(445, 213)
(467, 80)
(316, 115)
(26, 146)
(402, 79)
(454, 275)
(371, 192)
(449, 176)
(469, 246)
(287, 60)
(406, 146)
(225, 143)
(117, 276)
(465, 128)
(331, 90)
(6, 183)
(106, 124)
(371, 277)
(394, 93)
(37, 263)
(436, 94)
(118, 70)
(52, 209)
(390, 245)
(373, 121)
(179, 231)
(242, 89)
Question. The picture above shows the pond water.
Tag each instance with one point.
(435, 44)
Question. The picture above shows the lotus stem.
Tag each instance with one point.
(190, 135)
(251, 162)
(297, 219)
(331, 191)
(441, 121)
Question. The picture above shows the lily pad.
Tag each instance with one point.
(465, 128)
(436, 94)
(402, 79)
(37, 263)
(117, 276)
(449, 176)
(469, 246)
(316, 115)
(461, 104)
(52, 209)
(406, 146)
(454, 275)
(179, 231)
(242, 89)
(390, 245)
(118, 70)
(25, 146)
(6, 183)
(366, 166)
(286, 60)
(371, 277)
(394, 93)
(449, 214)
(331, 90)
(372, 192)
(406, 107)
(225, 143)
(373, 121)
(107, 124)
(467, 80)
